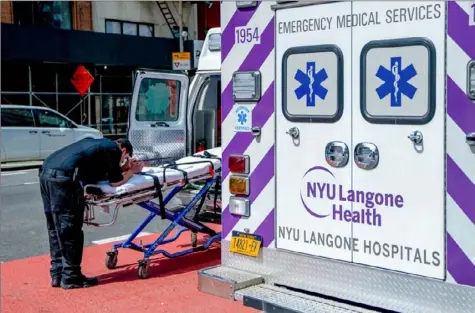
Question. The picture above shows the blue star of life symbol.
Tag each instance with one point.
(242, 118)
(396, 81)
(311, 84)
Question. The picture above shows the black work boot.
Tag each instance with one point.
(56, 281)
(82, 282)
(89, 281)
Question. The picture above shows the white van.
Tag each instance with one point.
(171, 118)
(31, 133)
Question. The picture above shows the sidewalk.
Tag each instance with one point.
(172, 285)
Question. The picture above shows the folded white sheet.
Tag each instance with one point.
(138, 182)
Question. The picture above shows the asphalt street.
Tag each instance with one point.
(23, 226)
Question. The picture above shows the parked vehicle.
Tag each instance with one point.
(32, 133)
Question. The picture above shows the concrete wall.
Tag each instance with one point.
(145, 12)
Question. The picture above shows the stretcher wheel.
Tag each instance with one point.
(194, 240)
(111, 259)
(142, 271)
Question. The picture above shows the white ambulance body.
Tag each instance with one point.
(348, 156)
(170, 117)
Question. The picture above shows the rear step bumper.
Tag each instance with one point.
(251, 290)
(268, 298)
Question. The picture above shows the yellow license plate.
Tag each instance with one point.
(246, 244)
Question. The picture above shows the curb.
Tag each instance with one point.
(8, 167)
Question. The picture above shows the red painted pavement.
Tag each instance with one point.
(172, 285)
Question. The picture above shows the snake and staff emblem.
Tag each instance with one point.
(312, 80)
(396, 79)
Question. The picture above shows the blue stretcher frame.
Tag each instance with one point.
(176, 218)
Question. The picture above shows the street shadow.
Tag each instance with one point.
(161, 266)
(199, 242)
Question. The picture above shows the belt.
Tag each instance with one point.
(55, 172)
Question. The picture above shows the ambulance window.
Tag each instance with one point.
(158, 100)
(312, 84)
(398, 81)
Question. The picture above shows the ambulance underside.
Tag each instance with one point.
(359, 157)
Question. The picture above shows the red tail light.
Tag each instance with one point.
(239, 164)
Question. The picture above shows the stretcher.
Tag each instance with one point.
(200, 172)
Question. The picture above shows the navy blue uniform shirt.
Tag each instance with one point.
(96, 159)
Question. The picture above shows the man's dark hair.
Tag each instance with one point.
(125, 143)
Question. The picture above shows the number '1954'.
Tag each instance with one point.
(247, 35)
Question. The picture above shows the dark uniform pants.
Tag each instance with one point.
(64, 209)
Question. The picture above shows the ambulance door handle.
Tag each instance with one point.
(337, 154)
(294, 132)
(470, 139)
(366, 155)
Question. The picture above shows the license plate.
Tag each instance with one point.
(246, 244)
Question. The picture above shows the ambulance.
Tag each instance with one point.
(348, 137)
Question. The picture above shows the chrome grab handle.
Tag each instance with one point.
(256, 131)
(293, 132)
(470, 139)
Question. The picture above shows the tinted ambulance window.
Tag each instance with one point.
(398, 78)
(51, 119)
(17, 118)
(158, 100)
(312, 84)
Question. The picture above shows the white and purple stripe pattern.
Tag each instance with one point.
(460, 160)
(239, 57)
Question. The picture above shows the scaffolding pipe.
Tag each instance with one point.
(180, 23)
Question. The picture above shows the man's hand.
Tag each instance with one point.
(136, 167)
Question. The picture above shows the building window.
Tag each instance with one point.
(57, 14)
(129, 28)
(146, 30)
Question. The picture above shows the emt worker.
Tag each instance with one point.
(62, 177)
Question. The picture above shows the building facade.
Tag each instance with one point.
(44, 42)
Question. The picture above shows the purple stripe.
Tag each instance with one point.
(459, 30)
(459, 106)
(458, 264)
(240, 18)
(241, 141)
(266, 229)
(460, 188)
(258, 180)
(253, 61)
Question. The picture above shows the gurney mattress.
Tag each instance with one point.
(140, 182)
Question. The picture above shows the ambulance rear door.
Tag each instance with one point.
(398, 130)
(157, 120)
(313, 116)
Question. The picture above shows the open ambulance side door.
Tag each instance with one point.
(157, 117)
